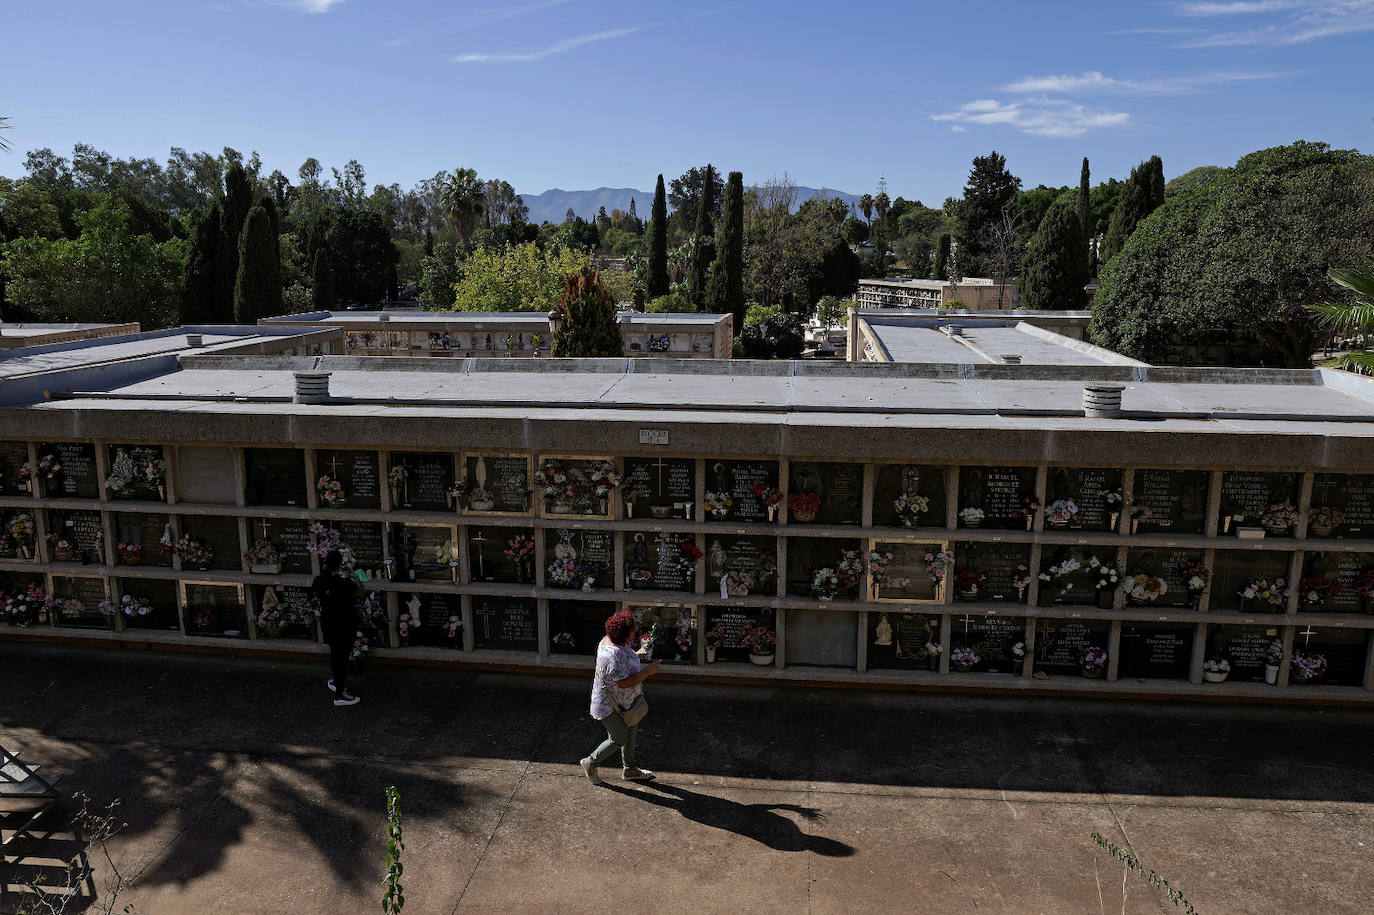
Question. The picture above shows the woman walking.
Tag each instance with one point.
(615, 689)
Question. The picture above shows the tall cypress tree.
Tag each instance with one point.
(941, 265)
(1054, 271)
(590, 328)
(257, 291)
(658, 243)
(200, 279)
(1085, 213)
(322, 281)
(704, 235)
(1132, 205)
(1156, 183)
(725, 291)
(238, 200)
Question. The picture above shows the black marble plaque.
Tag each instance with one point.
(1343, 649)
(1095, 493)
(742, 481)
(358, 472)
(1161, 650)
(78, 479)
(839, 487)
(586, 547)
(657, 560)
(1169, 501)
(364, 541)
(894, 481)
(900, 640)
(805, 555)
(501, 554)
(999, 492)
(79, 602)
(579, 495)
(291, 537)
(133, 465)
(1246, 495)
(13, 456)
(675, 630)
(214, 610)
(1000, 565)
(206, 475)
(1245, 648)
(1236, 569)
(510, 623)
(755, 555)
(1352, 495)
(280, 596)
(163, 597)
(730, 622)
(993, 637)
(82, 529)
(424, 552)
(432, 618)
(426, 486)
(221, 535)
(1166, 563)
(660, 483)
(146, 531)
(1058, 643)
(498, 484)
(1076, 586)
(1337, 582)
(274, 476)
(577, 626)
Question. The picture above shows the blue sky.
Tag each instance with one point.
(583, 93)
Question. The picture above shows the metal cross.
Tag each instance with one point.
(966, 619)
(334, 466)
(478, 539)
(660, 464)
(1306, 635)
(1325, 482)
(265, 529)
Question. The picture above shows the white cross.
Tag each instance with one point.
(966, 619)
(265, 529)
(1325, 483)
(1306, 634)
(334, 467)
(478, 539)
(660, 465)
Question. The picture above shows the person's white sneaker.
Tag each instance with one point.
(346, 699)
(637, 775)
(330, 684)
(590, 771)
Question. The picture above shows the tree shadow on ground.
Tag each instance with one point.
(764, 823)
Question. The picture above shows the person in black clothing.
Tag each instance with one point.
(337, 593)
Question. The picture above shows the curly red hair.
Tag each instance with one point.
(620, 626)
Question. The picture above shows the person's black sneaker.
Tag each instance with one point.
(345, 699)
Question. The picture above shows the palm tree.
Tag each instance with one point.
(866, 204)
(1355, 319)
(464, 200)
(4, 146)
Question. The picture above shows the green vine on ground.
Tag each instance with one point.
(1132, 864)
(394, 899)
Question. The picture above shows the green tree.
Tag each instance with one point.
(590, 328)
(1196, 177)
(1156, 188)
(1054, 271)
(238, 200)
(1085, 214)
(866, 206)
(990, 191)
(770, 333)
(464, 201)
(1247, 251)
(1132, 205)
(1353, 320)
(727, 293)
(523, 278)
(257, 293)
(322, 281)
(703, 238)
(439, 271)
(940, 267)
(200, 280)
(658, 244)
(362, 257)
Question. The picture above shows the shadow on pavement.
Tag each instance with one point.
(764, 823)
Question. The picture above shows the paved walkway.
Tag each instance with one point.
(246, 791)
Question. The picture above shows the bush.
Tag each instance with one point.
(777, 336)
(674, 302)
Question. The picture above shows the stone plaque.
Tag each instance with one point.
(277, 596)
(756, 556)
(577, 626)
(221, 535)
(1001, 564)
(498, 485)
(1245, 648)
(82, 529)
(675, 632)
(274, 476)
(357, 472)
(364, 541)
(501, 554)
(1351, 496)
(805, 555)
(1247, 495)
(212, 609)
(839, 487)
(909, 495)
(730, 622)
(291, 537)
(1236, 570)
(594, 550)
(657, 486)
(1169, 501)
(900, 640)
(133, 472)
(429, 476)
(1000, 493)
(510, 623)
(436, 613)
(79, 602)
(1166, 563)
(1163, 650)
(146, 531)
(163, 597)
(13, 456)
(206, 475)
(1058, 643)
(822, 638)
(659, 561)
(1082, 498)
(424, 552)
(1334, 579)
(1075, 582)
(743, 482)
(78, 479)
(993, 637)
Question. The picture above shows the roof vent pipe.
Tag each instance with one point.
(1011, 358)
(954, 330)
(312, 387)
(1102, 400)
(194, 340)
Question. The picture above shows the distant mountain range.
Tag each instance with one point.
(552, 205)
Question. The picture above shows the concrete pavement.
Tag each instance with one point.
(246, 791)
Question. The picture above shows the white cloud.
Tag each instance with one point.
(566, 44)
(1038, 117)
(1239, 8)
(1096, 82)
(958, 128)
(1293, 21)
(316, 6)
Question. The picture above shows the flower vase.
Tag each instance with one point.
(1030, 522)
(61, 555)
(772, 512)
(562, 508)
(24, 553)
(1094, 673)
(719, 512)
(1319, 529)
(395, 497)
(162, 491)
(1106, 598)
(603, 506)
(1277, 529)
(1271, 674)
(133, 559)
(629, 509)
(803, 516)
(1115, 523)
(762, 660)
(275, 630)
(973, 523)
(1195, 600)
(962, 667)
(1214, 676)
(968, 594)
(265, 568)
(933, 661)
(710, 654)
(1058, 524)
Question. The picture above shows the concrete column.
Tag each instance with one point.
(946, 640)
(863, 641)
(618, 557)
(1304, 505)
(1211, 522)
(780, 659)
(1028, 662)
(1199, 653)
(542, 639)
(312, 495)
(870, 484)
(952, 498)
(1113, 650)
(1288, 636)
(469, 635)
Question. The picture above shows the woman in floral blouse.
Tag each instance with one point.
(615, 686)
